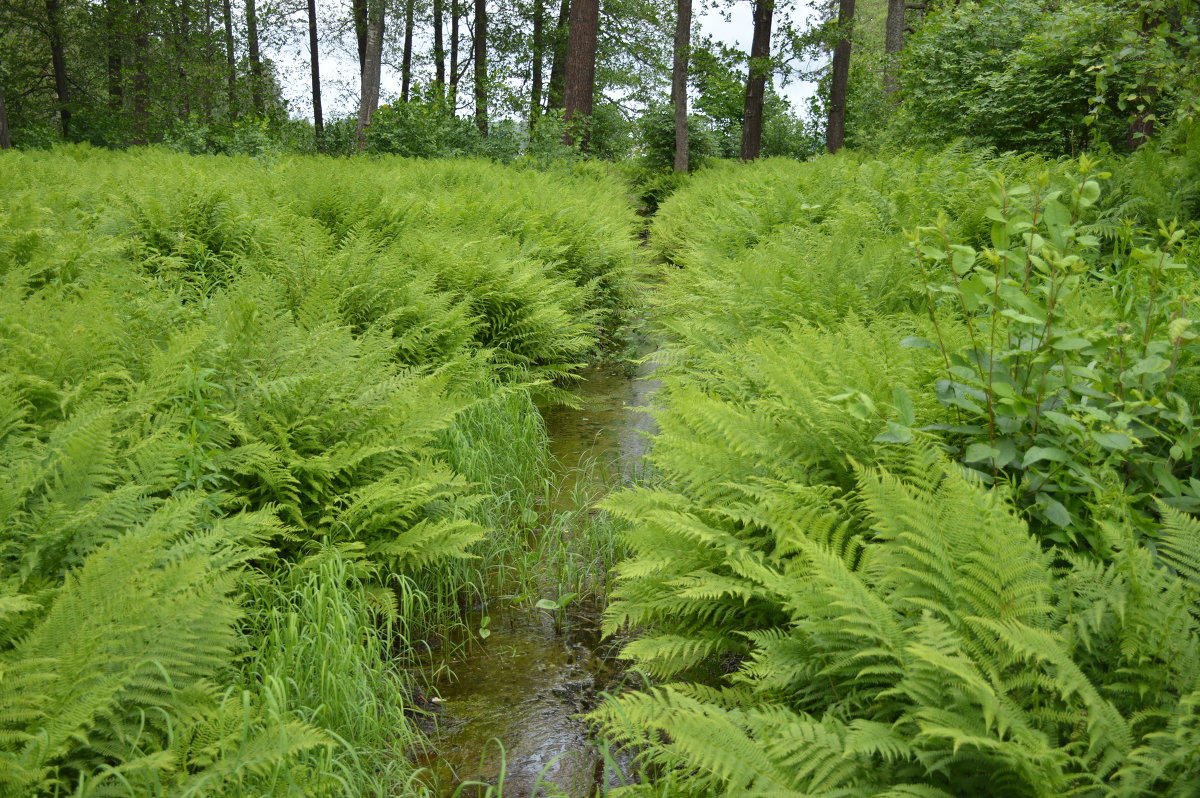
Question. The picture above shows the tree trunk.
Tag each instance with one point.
(406, 63)
(230, 59)
(116, 93)
(5, 141)
(256, 87)
(371, 73)
(182, 51)
(314, 60)
(141, 77)
(481, 23)
(439, 49)
(535, 91)
(1141, 125)
(59, 60)
(893, 43)
(208, 56)
(679, 76)
(558, 69)
(835, 132)
(454, 14)
(580, 83)
(360, 33)
(756, 80)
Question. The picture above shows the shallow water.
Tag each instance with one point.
(525, 685)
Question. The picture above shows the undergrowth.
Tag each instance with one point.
(918, 525)
(264, 429)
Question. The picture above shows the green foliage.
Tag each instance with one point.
(1005, 74)
(239, 407)
(1069, 377)
(933, 646)
(822, 598)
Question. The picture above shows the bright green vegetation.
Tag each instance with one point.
(920, 522)
(264, 428)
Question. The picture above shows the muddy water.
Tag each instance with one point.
(525, 686)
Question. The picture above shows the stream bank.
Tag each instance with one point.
(510, 719)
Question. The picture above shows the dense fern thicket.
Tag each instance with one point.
(254, 419)
(920, 525)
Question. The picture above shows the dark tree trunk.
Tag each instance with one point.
(182, 50)
(112, 26)
(439, 48)
(454, 15)
(1141, 125)
(5, 141)
(835, 132)
(141, 77)
(314, 59)
(256, 84)
(371, 73)
(893, 43)
(406, 64)
(535, 90)
(360, 33)
(679, 76)
(756, 80)
(58, 58)
(230, 59)
(558, 69)
(481, 23)
(208, 57)
(580, 82)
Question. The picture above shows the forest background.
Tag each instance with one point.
(552, 81)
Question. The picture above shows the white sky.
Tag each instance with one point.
(733, 26)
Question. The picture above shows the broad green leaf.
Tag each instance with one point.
(1055, 512)
(1070, 343)
(1036, 454)
(896, 433)
(1117, 441)
(980, 452)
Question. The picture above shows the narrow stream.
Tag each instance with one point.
(525, 686)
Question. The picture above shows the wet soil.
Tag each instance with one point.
(524, 687)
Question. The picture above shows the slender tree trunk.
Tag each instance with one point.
(893, 43)
(5, 141)
(230, 59)
(679, 76)
(439, 49)
(406, 64)
(756, 80)
(208, 57)
(58, 58)
(181, 60)
(116, 93)
(371, 73)
(481, 30)
(535, 90)
(558, 69)
(256, 83)
(360, 33)
(580, 82)
(1141, 125)
(141, 77)
(835, 132)
(454, 15)
(314, 60)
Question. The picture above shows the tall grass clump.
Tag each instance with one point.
(258, 424)
(921, 524)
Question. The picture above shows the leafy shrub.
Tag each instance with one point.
(1063, 388)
